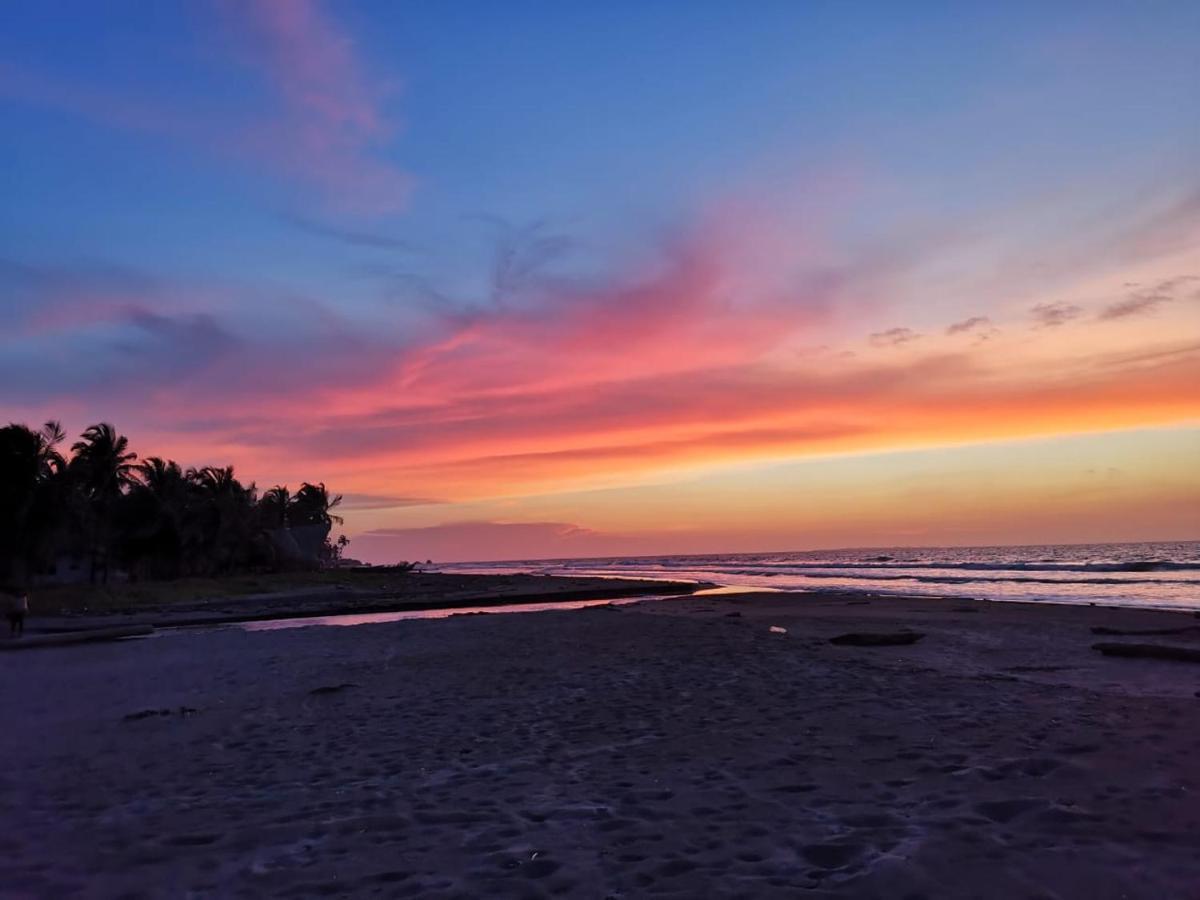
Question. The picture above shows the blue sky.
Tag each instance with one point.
(377, 216)
(599, 117)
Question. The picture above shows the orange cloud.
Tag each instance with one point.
(690, 360)
(551, 441)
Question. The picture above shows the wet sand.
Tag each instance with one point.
(668, 748)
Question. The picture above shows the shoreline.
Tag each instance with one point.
(412, 592)
(856, 595)
(1157, 574)
(443, 591)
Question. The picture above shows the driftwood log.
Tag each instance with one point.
(1150, 651)
(873, 639)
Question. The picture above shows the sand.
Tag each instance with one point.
(668, 748)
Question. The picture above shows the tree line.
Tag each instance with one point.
(103, 509)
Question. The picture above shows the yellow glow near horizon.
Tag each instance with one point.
(1087, 488)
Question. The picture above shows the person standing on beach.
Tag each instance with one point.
(16, 607)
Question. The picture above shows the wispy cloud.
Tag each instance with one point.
(978, 328)
(1178, 283)
(383, 501)
(332, 127)
(894, 337)
(131, 349)
(329, 125)
(354, 237)
(85, 331)
(1144, 301)
(521, 257)
(1052, 315)
(1134, 305)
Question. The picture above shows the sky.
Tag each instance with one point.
(534, 280)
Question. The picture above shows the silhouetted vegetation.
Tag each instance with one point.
(99, 509)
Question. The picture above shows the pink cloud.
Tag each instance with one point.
(696, 307)
(332, 126)
(329, 126)
(693, 357)
(473, 448)
(312, 62)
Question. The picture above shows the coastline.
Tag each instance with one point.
(677, 747)
(401, 593)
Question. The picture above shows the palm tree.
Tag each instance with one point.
(273, 507)
(313, 505)
(158, 517)
(311, 518)
(102, 470)
(152, 517)
(159, 475)
(30, 467)
(227, 513)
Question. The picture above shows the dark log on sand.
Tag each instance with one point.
(1150, 651)
(65, 638)
(868, 639)
(1100, 629)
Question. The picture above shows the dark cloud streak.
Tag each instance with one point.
(1052, 315)
(894, 337)
(353, 237)
(1147, 301)
(381, 501)
(979, 328)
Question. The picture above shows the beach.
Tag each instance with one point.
(676, 747)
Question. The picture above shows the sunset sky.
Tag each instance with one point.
(529, 280)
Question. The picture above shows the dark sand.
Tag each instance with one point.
(662, 749)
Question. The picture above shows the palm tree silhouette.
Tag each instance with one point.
(102, 469)
(313, 505)
(227, 516)
(30, 469)
(273, 507)
(152, 517)
(158, 517)
(311, 518)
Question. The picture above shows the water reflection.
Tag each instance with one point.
(375, 618)
(398, 616)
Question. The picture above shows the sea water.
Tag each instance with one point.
(1164, 575)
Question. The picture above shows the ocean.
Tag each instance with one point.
(1163, 575)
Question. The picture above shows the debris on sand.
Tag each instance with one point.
(778, 629)
(332, 688)
(1150, 651)
(150, 713)
(875, 639)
